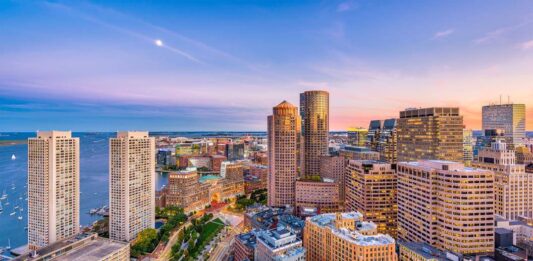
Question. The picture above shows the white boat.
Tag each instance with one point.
(20, 218)
(8, 244)
(1, 207)
(4, 195)
(13, 157)
(13, 213)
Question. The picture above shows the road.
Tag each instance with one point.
(165, 255)
(223, 248)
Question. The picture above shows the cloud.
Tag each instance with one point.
(443, 34)
(493, 35)
(346, 6)
(93, 19)
(527, 45)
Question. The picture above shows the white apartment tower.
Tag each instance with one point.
(53, 187)
(131, 184)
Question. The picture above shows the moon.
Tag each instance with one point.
(158, 42)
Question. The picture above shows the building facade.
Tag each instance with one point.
(468, 147)
(388, 141)
(131, 184)
(345, 236)
(53, 187)
(508, 117)
(283, 145)
(314, 112)
(374, 132)
(446, 205)
(430, 134)
(357, 136)
(513, 185)
(332, 167)
(371, 191)
(323, 196)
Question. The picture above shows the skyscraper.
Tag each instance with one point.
(357, 136)
(131, 184)
(371, 190)
(372, 137)
(511, 118)
(446, 205)
(314, 111)
(388, 141)
(283, 144)
(53, 187)
(468, 147)
(430, 134)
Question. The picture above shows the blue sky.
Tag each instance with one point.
(95, 65)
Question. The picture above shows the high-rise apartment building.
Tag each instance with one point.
(374, 132)
(508, 117)
(283, 144)
(314, 112)
(131, 184)
(430, 134)
(388, 140)
(357, 136)
(53, 187)
(371, 191)
(513, 185)
(345, 236)
(446, 205)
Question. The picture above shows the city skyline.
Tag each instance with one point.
(221, 66)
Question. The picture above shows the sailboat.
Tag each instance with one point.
(4, 195)
(8, 244)
(13, 157)
(1, 207)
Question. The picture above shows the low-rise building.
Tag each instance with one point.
(278, 245)
(244, 247)
(86, 247)
(358, 153)
(345, 236)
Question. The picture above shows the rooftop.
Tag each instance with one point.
(353, 236)
(425, 250)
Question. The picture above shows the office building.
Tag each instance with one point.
(86, 247)
(357, 136)
(513, 185)
(322, 196)
(446, 205)
(430, 134)
(314, 112)
(332, 167)
(371, 191)
(523, 155)
(373, 135)
(358, 153)
(283, 145)
(511, 118)
(53, 187)
(131, 184)
(345, 236)
(278, 245)
(234, 151)
(388, 140)
(468, 148)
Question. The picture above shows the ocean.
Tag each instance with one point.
(94, 184)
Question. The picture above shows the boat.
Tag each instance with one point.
(1, 207)
(20, 218)
(13, 157)
(4, 195)
(13, 213)
(8, 244)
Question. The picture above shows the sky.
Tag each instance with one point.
(223, 65)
